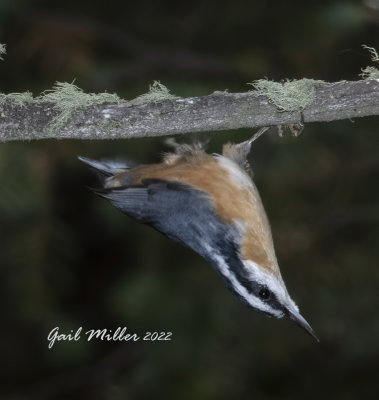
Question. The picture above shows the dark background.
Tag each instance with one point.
(68, 259)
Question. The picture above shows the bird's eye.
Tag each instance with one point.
(264, 294)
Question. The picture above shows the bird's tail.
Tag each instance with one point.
(105, 168)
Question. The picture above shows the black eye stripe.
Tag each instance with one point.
(229, 250)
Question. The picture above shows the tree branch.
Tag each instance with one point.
(218, 111)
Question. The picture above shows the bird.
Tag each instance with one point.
(210, 204)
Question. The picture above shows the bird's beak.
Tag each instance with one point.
(299, 320)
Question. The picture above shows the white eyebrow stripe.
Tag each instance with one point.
(277, 286)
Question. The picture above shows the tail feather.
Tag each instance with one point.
(106, 168)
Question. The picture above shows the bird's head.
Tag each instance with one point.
(268, 294)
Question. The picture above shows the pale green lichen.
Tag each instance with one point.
(20, 99)
(67, 97)
(371, 72)
(287, 96)
(373, 52)
(157, 92)
(3, 50)
(220, 92)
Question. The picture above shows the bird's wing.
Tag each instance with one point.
(179, 211)
(154, 199)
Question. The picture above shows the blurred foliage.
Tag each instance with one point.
(69, 259)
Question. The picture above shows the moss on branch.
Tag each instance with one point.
(287, 96)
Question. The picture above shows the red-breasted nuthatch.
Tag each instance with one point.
(210, 204)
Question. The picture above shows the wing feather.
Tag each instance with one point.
(177, 210)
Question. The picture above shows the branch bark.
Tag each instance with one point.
(218, 111)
